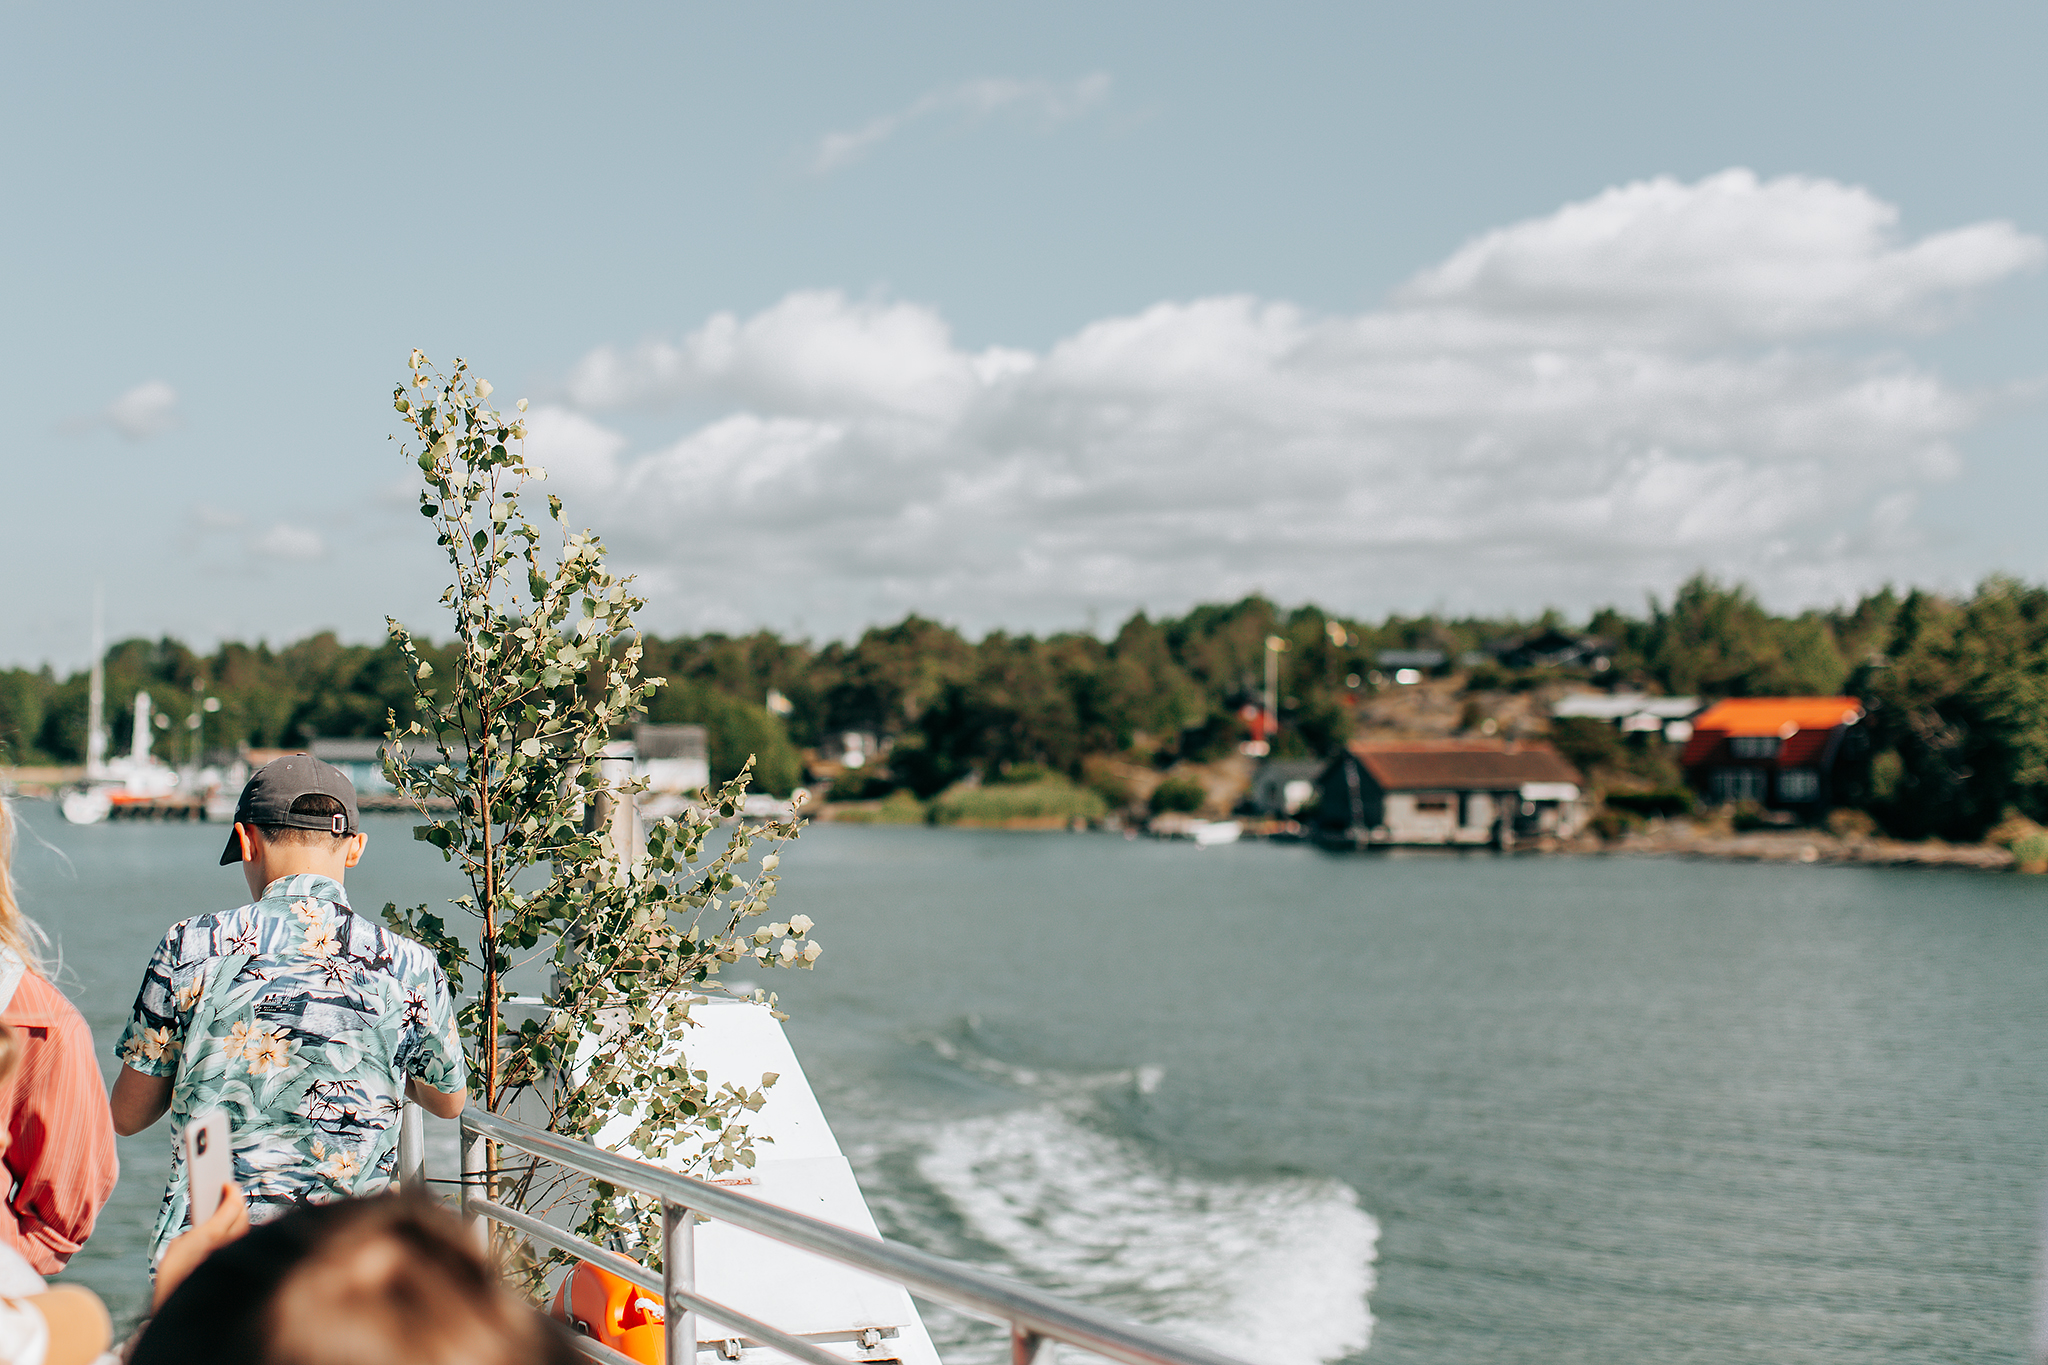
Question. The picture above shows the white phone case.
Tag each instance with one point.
(209, 1162)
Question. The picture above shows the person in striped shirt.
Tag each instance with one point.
(56, 1135)
(66, 1324)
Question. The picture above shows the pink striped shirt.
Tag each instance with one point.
(57, 1142)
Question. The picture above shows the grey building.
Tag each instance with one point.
(1448, 792)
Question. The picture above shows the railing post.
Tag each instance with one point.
(412, 1150)
(678, 1271)
(475, 1167)
(1029, 1348)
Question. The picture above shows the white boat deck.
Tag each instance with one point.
(843, 1310)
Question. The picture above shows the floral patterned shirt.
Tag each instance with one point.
(302, 1020)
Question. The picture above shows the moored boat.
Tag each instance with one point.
(137, 780)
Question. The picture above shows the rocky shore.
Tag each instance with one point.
(1679, 838)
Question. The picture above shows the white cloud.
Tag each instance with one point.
(573, 449)
(285, 541)
(1051, 102)
(149, 409)
(813, 352)
(1565, 411)
(1731, 256)
(206, 518)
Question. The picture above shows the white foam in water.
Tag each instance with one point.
(1275, 1270)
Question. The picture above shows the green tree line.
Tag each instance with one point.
(1957, 689)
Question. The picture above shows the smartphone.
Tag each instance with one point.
(209, 1162)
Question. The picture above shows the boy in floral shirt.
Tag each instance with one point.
(306, 1022)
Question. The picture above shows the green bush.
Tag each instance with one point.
(734, 729)
(2027, 840)
(1667, 802)
(1178, 794)
(1114, 790)
(2030, 852)
(858, 786)
(1586, 743)
(1748, 815)
(898, 808)
(1051, 797)
(1612, 824)
(22, 704)
(1845, 822)
(1488, 677)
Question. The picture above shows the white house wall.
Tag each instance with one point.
(1407, 823)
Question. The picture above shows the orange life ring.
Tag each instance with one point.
(613, 1312)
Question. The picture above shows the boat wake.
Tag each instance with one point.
(1057, 1194)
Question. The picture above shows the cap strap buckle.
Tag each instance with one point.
(340, 825)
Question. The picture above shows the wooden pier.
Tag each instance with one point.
(188, 808)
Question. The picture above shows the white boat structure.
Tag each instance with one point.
(674, 763)
(131, 779)
(784, 1263)
(135, 777)
(1202, 833)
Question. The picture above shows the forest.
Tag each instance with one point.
(1956, 688)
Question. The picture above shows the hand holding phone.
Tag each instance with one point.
(229, 1222)
(209, 1162)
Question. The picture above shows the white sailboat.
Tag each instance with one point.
(135, 777)
(89, 804)
(138, 776)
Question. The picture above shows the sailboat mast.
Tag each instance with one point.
(138, 745)
(96, 697)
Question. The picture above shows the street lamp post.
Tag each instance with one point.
(196, 722)
(1275, 646)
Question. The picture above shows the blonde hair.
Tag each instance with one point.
(18, 933)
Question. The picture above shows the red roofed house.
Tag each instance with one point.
(1448, 792)
(1782, 752)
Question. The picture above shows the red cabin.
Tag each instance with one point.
(1782, 752)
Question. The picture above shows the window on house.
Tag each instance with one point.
(1739, 784)
(1799, 784)
(1432, 805)
(1753, 746)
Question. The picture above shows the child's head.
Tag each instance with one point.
(296, 814)
(384, 1279)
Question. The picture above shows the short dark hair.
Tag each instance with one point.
(387, 1278)
(312, 803)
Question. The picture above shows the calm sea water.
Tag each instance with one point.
(1463, 1108)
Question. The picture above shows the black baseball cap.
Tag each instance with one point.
(267, 800)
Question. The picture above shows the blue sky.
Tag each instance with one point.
(1025, 317)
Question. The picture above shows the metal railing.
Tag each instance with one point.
(1035, 1320)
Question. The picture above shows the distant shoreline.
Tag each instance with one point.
(1803, 846)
